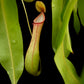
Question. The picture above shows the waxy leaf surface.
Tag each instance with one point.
(59, 32)
(65, 67)
(61, 42)
(66, 17)
(11, 45)
(56, 20)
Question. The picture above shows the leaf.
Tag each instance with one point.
(11, 46)
(65, 2)
(61, 43)
(67, 43)
(56, 20)
(59, 27)
(65, 22)
(76, 20)
(65, 67)
(80, 10)
(76, 23)
(67, 40)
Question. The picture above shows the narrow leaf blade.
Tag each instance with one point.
(65, 22)
(67, 43)
(65, 67)
(65, 2)
(56, 20)
(59, 27)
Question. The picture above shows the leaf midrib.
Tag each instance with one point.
(3, 13)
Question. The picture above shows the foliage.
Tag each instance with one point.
(61, 42)
(11, 43)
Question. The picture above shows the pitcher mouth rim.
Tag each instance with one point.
(34, 21)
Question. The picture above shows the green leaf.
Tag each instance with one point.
(80, 10)
(65, 2)
(61, 42)
(11, 45)
(67, 43)
(76, 23)
(56, 20)
(65, 67)
(65, 22)
(59, 27)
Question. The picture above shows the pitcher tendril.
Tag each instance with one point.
(26, 17)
